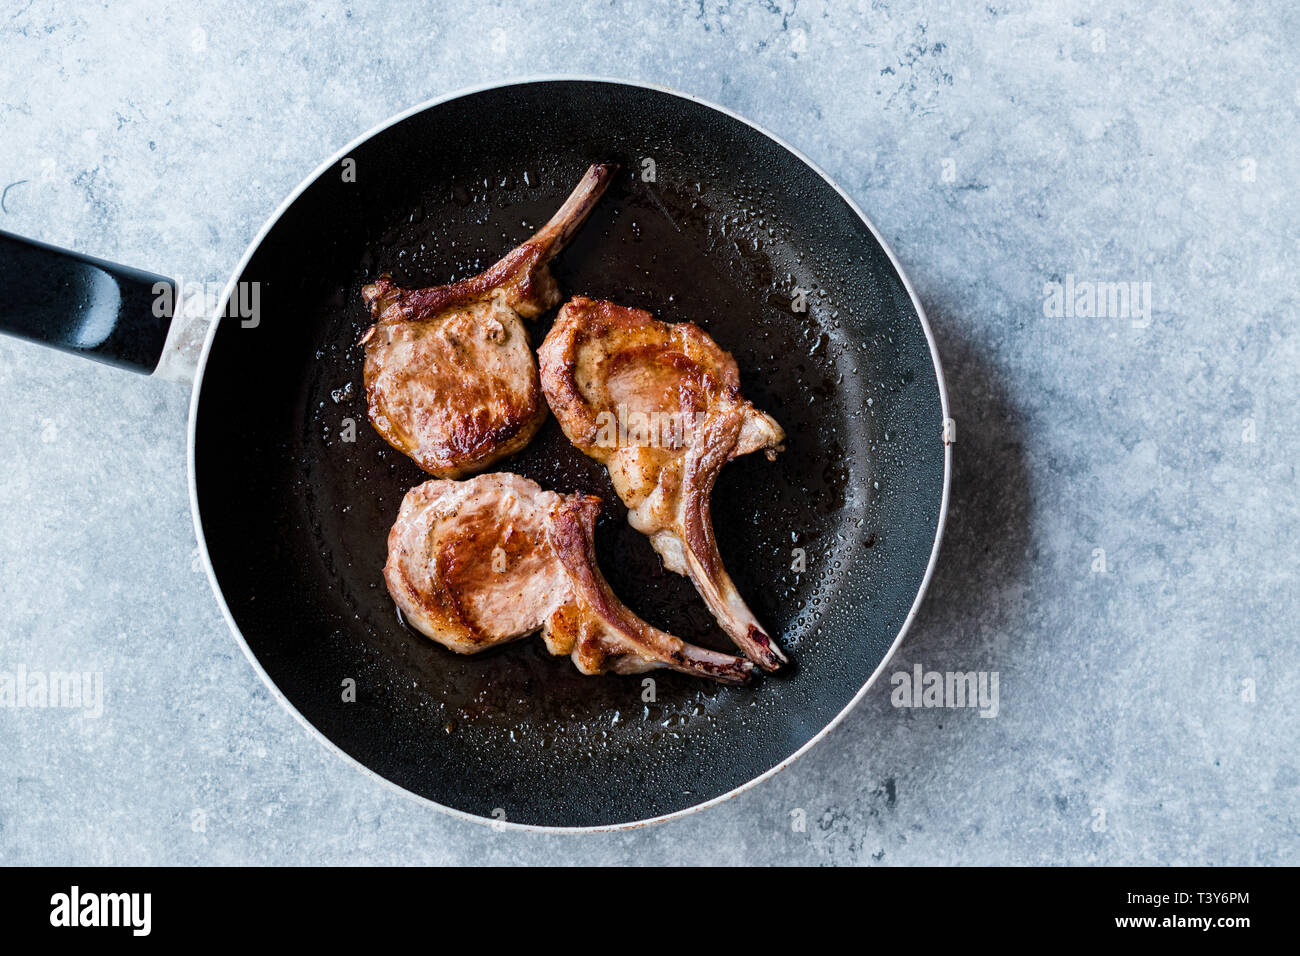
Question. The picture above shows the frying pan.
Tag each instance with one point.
(711, 220)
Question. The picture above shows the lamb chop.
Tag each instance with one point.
(473, 564)
(450, 377)
(605, 367)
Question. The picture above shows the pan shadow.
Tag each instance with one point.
(986, 546)
(968, 619)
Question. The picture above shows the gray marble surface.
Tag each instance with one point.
(1147, 713)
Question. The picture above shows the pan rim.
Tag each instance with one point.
(197, 390)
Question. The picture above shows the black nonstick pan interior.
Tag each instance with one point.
(296, 517)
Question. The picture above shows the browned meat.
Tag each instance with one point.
(476, 563)
(450, 377)
(660, 406)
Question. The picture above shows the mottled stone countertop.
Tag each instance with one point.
(1124, 534)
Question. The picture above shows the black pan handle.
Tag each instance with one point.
(80, 304)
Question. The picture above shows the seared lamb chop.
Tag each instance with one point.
(450, 377)
(476, 563)
(660, 406)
